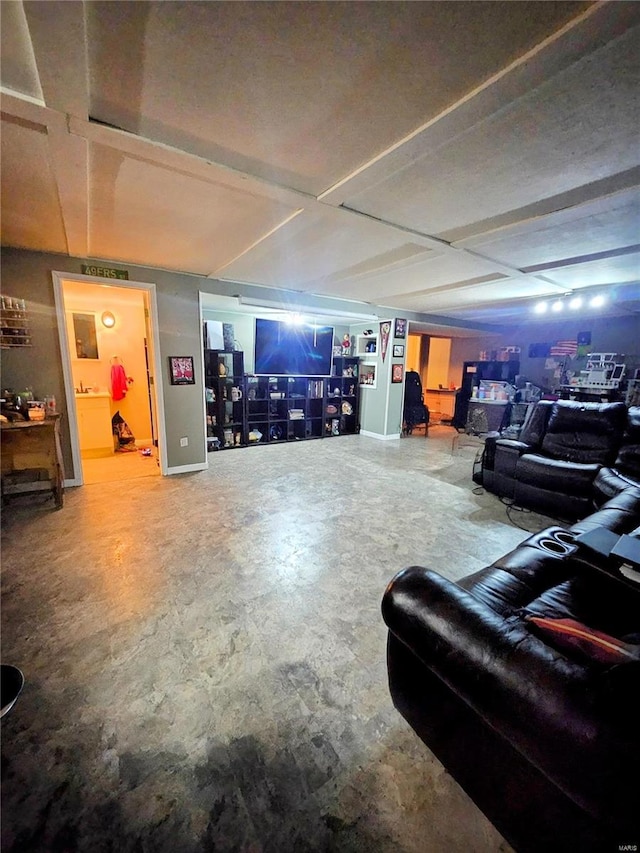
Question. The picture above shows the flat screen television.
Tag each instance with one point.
(284, 349)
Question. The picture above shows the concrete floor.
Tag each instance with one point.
(205, 657)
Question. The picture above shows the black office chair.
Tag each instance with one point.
(414, 413)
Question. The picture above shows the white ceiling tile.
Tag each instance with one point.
(149, 215)
(577, 128)
(18, 70)
(608, 271)
(31, 215)
(601, 226)
(321, 249)
(299, 93)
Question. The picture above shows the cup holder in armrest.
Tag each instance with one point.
(554, 546)
(564, 536)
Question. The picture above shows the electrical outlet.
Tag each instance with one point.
(184, 442)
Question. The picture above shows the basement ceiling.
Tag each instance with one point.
(445, 159)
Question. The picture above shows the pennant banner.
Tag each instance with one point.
(385, 330)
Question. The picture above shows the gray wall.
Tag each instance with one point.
(27, 275)
(381, 407)
(608, 334)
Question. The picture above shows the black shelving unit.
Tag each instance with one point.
(225, 399)
(296, 408)
(284, 408)
(248, 410)
(342, 397)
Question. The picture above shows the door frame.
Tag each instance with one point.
(156, 387)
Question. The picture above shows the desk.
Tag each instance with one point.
(486, 415)
(32, 458)
(440, 401)
(588, 394)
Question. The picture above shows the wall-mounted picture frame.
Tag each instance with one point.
(400, 328)
(397, 373)
(398, 350)
(181, 370)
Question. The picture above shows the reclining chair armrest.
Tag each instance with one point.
(475, 650)
(508, 451)
(420, 606)
(514, 444)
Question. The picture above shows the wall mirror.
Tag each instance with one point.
(84, 331)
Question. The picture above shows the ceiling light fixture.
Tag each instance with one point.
(573, 302)
(108, 320)
(294, 319)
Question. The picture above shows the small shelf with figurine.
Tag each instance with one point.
(367, 345)
(368, 374)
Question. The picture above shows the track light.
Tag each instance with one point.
(575, 303)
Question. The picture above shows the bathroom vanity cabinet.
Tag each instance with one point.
(94, 425)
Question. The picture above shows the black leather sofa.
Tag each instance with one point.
(543, 737)
(569, 456)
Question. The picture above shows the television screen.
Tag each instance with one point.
(284, 349)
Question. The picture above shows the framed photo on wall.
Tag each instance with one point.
(397, 373)
(181, 370)
(398, 350)
(400, 330)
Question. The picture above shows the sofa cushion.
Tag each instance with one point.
(620, 514)
(610, 483)
(587, 433)
(555, 475)
(628, 459)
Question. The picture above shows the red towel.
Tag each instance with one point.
(118, 382)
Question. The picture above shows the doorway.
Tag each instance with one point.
(109, 357)
(430, 356)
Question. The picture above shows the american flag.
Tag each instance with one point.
(564, 348)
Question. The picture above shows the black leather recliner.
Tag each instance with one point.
(544, 739)
(562, 449)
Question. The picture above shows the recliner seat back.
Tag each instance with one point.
(587, 433)
(535, 424)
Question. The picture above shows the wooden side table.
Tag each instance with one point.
(32, 458)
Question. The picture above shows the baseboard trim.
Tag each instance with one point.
(188, 469)
(379, 435)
